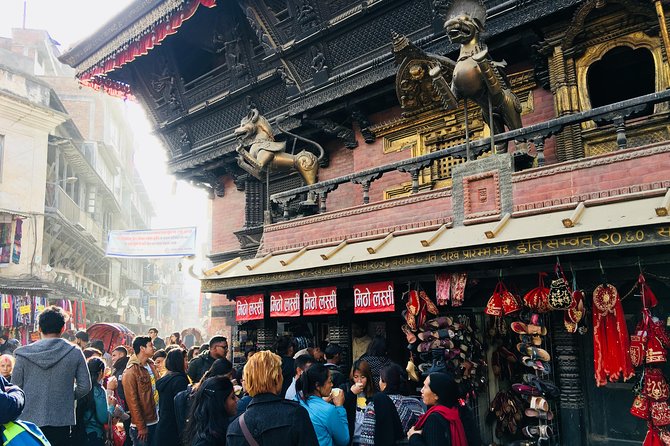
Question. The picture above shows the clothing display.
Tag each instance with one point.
(648, 351)
(610, 337)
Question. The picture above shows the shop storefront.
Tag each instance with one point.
(516, 321)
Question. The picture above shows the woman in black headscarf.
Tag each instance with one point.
(441, 425)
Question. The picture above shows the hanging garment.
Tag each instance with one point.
(458, 282)
(16, 254)
(611, 357)
(450, 286)
(442, 288)
(5, 242)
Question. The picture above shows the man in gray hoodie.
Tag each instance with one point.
(53, 374)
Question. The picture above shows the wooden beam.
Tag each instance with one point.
(433, 238)
(223, 267)
(571, 221)
(380, 245)
(293, 257)
(260, 262)
(501, 224)
(664, 209)
(334, 251)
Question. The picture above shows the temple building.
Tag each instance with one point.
(438, 173)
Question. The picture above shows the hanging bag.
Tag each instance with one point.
(560, 295)
(537, 298)
(494, 306)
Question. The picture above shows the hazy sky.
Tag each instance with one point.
(69, 21)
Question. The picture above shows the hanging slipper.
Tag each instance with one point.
(442, 333)
(538, 354)
(535, 340)
(539, 403)
(411, 371)
(430, 306)
(413, 303)
(522, 348)
(525, 389)
(410, 319)
(539, 414)
(531, 431)
(519, 327)
(411, 337)
(437, 323)
(542, 367)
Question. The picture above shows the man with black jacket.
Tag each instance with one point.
(269, 418)
(285, 349)
(218, 348)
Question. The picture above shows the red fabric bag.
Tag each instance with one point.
(537, 299)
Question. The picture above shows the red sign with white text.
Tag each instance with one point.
(249, 308)
(317, 301)
(285, 303)
(375, 297)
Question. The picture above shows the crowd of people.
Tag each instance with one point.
(78, 394)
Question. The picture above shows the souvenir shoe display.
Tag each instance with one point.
(507, 410)
(536, 388)
(443, 343)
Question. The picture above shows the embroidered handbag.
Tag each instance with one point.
(494, 307)
(638, 348)
(640, 407)
(655, 385)
(537, 298)
(560, 295)
(660, 413)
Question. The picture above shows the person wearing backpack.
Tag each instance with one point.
(13, 431)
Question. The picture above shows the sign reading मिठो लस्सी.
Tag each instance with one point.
(317, 301)
(249, 308)
(285, 303)
(375, 297)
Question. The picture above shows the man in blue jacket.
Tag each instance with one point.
(12, 400)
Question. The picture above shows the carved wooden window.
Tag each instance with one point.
(644, 52)
(634, 77)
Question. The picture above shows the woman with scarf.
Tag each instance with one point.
(441, 425)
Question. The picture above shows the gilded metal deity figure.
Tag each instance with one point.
(259, 152)
(475, 75)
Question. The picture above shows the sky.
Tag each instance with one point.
(68, 21)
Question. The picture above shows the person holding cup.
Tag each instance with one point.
(324, 405)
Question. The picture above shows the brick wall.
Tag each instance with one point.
(421, 210)
(227, 217)
(614, 174)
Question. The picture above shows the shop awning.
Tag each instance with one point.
(606, 226)
(131, 34)
(30, 285)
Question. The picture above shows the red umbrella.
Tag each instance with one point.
(111, 334)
